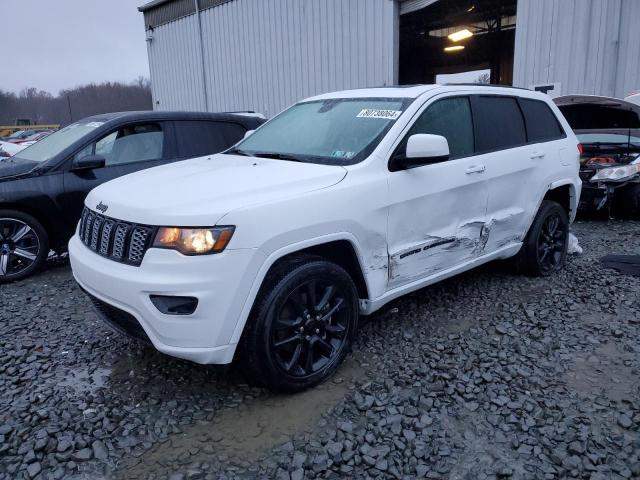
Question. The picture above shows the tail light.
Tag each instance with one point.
(580, 149)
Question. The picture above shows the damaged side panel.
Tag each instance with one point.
(436, 219)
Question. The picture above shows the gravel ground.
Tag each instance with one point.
(487, 375)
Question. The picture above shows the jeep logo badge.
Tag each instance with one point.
(101, 207)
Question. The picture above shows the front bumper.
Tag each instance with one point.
(597, 195)
(221, 283)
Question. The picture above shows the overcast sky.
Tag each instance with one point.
(56, 44)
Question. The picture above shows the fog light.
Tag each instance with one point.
(170, 305)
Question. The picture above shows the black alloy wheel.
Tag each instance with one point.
(551, 243)
(544, 249)
(310, 328)
(302, 324)
(23, 246)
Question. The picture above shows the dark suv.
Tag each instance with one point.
(42, 188)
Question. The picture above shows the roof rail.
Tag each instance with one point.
(471, 84)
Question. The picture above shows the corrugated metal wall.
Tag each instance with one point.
(174, 62)
(589, 46)
(264, 55)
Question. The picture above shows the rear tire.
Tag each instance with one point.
(302, 324)
(544, 250)
(24, 245)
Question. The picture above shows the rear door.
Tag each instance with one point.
(437, 211)
(196, 138)
(512, 138)
(126, 149)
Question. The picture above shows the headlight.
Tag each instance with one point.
(194, 241)
(616, 173)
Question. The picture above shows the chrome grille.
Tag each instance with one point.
(119, 241)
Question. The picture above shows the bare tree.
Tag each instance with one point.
(76, 103)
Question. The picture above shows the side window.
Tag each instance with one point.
(542, 124)
(498, 122)
(105, 145)
(133, 143)
(198, 138)
(451, 118)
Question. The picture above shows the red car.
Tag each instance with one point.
(32, 138)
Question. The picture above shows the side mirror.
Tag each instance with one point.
(89, 162)
(248, 133)
(422, 149)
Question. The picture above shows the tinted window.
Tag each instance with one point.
(498, 123)
(133, 143)
(541, 123)
(198, 138)
(451, 118)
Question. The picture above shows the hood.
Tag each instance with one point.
(11, 168)
(591, 114)
(199, 192)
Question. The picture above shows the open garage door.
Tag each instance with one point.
(457, 41)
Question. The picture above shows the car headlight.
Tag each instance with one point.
(616, 173)
(194, 241)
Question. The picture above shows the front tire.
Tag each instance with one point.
(24, 245)
(302, 325)
(544, 250)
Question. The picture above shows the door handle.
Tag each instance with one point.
(475, 169)
(535, 155)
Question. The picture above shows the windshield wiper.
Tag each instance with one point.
(237, 151)
(277, 156)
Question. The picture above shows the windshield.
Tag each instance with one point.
(55, 143)
(340, 131)
(609, 138)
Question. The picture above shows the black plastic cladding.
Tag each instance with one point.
(122, 242)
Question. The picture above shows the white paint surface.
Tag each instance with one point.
(408, 228)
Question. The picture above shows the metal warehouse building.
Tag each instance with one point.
(263, 55)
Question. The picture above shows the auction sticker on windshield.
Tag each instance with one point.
(384, 114)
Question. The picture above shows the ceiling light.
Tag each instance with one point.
(460, 35)
(454, 48)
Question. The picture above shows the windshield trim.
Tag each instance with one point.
(328, 160)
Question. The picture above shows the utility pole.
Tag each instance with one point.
(69, 105)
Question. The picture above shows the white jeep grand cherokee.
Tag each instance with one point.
(333, 208)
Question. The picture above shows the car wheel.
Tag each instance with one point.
(302, 324)
(544, 249)
(24, 245)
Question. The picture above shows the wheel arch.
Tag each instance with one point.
(39, 215)
(341, 248)
(565, 195)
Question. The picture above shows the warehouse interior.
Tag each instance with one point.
(457, 36)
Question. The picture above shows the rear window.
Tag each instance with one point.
(542, 124)
(198, 138)
(498, 123)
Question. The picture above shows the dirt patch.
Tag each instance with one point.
(604, 372)
(246, 431)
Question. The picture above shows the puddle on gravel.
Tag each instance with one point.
(603, 372)
(246, 431)
(87, 379)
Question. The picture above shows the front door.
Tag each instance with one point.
(437, 212)
(126, 150)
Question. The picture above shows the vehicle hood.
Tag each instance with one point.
(593, 114)
(12, 168)
(199, 192)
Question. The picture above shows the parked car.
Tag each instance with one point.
(338, 205)
(18, 135)
(42, 188)
(8, 149)
(609, 131)
(31, 139)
